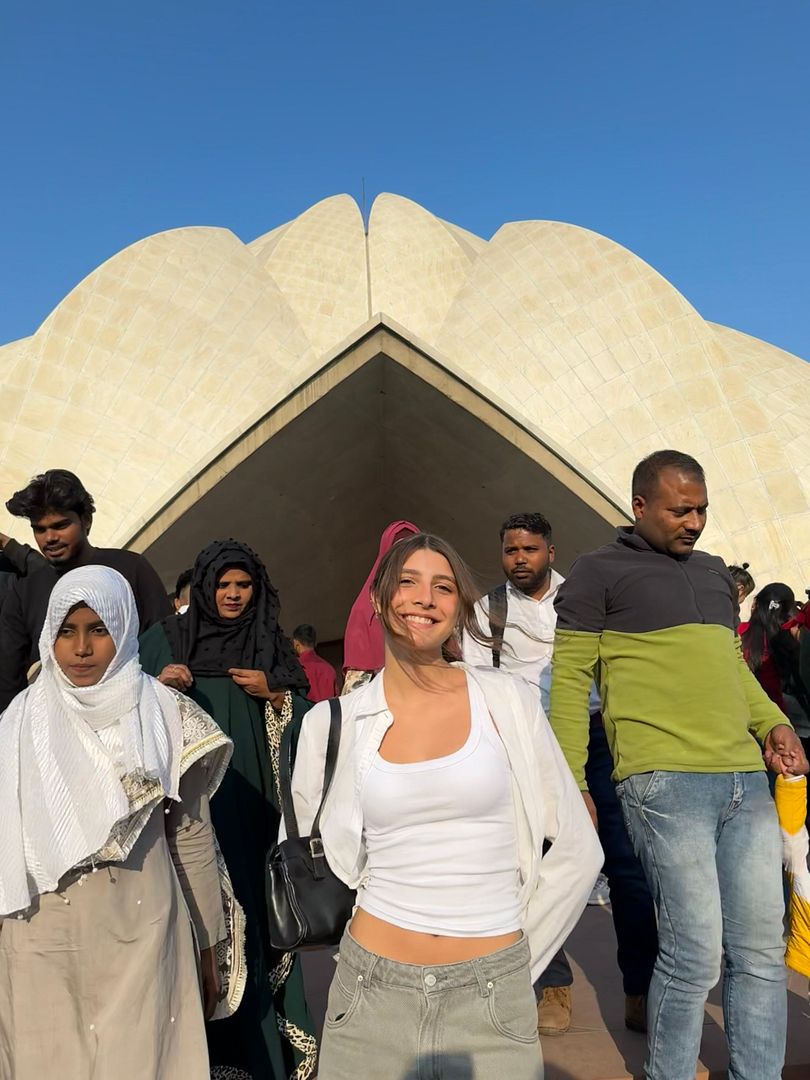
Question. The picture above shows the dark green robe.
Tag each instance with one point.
(246, 818)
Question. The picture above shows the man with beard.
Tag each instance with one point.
(60, 511)
(522, 620)
(688, 726)
(521, 611)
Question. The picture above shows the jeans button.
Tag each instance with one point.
(430, 979)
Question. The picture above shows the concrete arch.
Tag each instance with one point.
(314, 482)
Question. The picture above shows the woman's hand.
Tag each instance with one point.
(211, 981)
(276, 699)
(177, 676)
(252, 682)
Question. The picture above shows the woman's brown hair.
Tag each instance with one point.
(387, 579)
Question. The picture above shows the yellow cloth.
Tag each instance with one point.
(791, 806)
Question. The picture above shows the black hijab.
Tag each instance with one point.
(209, 645)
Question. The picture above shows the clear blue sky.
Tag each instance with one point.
(680, 130)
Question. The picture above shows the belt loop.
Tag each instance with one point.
(370, 964)
(484, 984)
(361, 961)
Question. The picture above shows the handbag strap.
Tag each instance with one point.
(332, 747)
(285, 771)
(498, 603)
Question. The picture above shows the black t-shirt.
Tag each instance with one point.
(26, 603)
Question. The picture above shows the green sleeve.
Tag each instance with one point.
(765, 714)
(155, 651)
(576, 654)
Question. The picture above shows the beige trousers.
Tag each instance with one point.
(475, 1020)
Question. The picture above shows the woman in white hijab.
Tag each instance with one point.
(109, 877)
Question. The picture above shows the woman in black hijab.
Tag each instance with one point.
(228, 653)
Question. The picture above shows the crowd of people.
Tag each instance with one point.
(497, 754)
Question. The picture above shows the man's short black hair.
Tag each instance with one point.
(182, 582)
(305, 634)
(55, 491)
(533, 523)
(646, 473)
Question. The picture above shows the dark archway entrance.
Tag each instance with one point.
(384, 432)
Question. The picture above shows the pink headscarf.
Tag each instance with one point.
(363, 645)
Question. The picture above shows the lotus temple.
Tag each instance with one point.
(302, 390)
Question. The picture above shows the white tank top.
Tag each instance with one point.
(441, 838)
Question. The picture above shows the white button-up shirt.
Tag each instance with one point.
(528, 636)
(554, 886)
(528, 639)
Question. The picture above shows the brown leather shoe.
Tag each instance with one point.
(554, 1011)
(635, 1012)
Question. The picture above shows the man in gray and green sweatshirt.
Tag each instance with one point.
(655, 621)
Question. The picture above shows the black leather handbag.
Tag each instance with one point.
(307, 904)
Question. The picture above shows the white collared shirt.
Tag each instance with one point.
(528, 639)
(548, 805)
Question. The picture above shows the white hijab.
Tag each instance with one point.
(60, 790)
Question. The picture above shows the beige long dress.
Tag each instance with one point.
(98, 980)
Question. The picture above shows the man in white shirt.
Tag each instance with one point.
(520, 617)
(527, 598)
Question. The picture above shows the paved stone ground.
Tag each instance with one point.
(598, 1046)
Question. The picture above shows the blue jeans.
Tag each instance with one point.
(558, 973)
(630, 899)
(710, 847)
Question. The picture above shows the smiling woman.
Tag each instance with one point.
(448, 783)
(427, 584)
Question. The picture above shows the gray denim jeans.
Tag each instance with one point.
(471, 1021)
